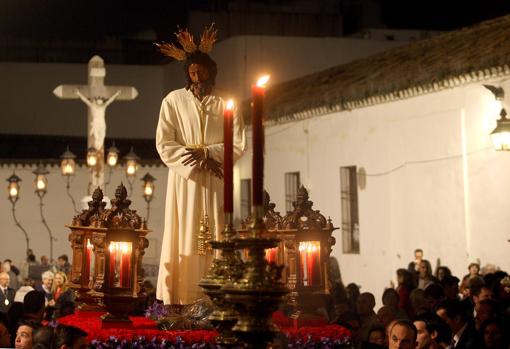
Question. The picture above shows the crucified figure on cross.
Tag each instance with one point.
(97, 126)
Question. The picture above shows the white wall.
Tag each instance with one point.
(433, 180)
(58, 210)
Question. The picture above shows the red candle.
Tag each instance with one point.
(125, 265)
(112, 264)
(258, 92)
(228, 157)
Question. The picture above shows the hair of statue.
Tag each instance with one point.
(203, 59)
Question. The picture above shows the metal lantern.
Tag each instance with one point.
(92, 157)
(108, 247)
(13, 188)
(40, 181)
(501, 134)
(112, 156)
(131, 160)
(67, 163)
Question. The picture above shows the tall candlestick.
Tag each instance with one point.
(228, 157)
(258, 92)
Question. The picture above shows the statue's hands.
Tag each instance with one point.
(213, 166)
(193, 156)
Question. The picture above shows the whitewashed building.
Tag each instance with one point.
(396, 149)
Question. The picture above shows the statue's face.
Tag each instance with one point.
(198, 73)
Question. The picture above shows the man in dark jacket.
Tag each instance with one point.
(6, 293)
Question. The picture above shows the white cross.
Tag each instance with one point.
(97, 97)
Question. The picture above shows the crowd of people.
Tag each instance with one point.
(31, 298)
(426, 309)
(429, 310)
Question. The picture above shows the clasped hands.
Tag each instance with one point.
(198, 157)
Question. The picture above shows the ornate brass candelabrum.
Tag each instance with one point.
(259, 291)
(225, 269)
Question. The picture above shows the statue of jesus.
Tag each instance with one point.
(97, 126)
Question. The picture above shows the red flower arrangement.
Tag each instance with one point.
(303, 337)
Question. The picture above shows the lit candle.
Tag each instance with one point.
(86, 274)
(258, 92)
(124, 264)
(228, 157)
(112, 249)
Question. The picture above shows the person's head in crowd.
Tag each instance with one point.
(366, 303)
(5, 335)
(433, 332)
(442, 272)
(474, 269)
(5, 279)
(377, 335)
(352, 291)
(24, 334)
(418, 255)
(60, 281)
(494, 334)
(474, 284)
(44, 336)
(433, 294)
(405, 279)
(402, 335)
(70, 337)
(45, 260)
(6, 266)
(418, 302)
(425, 269)
(62, 260)
(481, 293)
(33, 305)
(486, 309)
(31, 259)
(390, 297)
(22, 292)
(488, 269)
(386, 314)
(451, 287)
(454, 314)
(47, 278)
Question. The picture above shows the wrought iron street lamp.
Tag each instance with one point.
(41, 184)
(501, 134)
(68, 170)
(13, 189)
(148, 191)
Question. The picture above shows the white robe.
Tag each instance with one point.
(179, 126)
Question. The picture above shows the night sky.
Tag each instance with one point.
(98, 19)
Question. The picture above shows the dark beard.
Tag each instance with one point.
(201, 89)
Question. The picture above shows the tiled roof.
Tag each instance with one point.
(452, 59)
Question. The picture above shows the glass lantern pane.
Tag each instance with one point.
(310, 263)
(120, 264)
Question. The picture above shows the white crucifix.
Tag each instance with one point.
(97, 97)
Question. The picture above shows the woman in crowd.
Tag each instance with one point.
(63, 295)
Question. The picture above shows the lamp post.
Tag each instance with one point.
(131, 160)
(13, 189)
(41, 184)
(148, 191)
(68, 169)
(501, 134)
(112, 159)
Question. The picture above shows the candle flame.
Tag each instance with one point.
(230, 104)
(263, 81)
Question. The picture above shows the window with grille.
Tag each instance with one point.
(349, 203)
(291, 189)
(245, 198)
